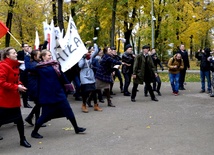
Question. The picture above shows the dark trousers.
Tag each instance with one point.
(182, 78)
(20, 127)
(148, 87)
(36, 111)
(118, 75)
(157, 81)
(127, 80)
(93, 95)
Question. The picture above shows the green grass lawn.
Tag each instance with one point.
(190, 77)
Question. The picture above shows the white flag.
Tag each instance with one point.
(52, 42)
(36, 44)
(72, 49)
(47, 31)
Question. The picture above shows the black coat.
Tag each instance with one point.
(128, 59)
(185, 58)
(204, 63)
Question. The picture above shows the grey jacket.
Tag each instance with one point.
(86, 73)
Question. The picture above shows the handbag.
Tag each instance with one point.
(69, 88)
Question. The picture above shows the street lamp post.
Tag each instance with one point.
(152, 23)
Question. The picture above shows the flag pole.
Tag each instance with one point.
(14, 38)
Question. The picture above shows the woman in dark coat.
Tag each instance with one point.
(9, 92)
(34, 59)
(52, 85)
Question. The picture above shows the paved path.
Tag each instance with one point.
(176, 125)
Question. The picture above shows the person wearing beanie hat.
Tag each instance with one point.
(146, 47)
(128, 46)
(127, 68)
(202, 56)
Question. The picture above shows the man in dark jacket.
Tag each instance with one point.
(127, 68)
(116, 71)
(185, 58)
(23, 73)
(156, 62)
(204, 69)
(143, 71)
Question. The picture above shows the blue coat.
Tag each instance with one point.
(106, 68)
(32, 84)
(50, 85)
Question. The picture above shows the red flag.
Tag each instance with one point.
(3, 29)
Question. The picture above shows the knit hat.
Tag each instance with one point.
(207, 51)
(128, 46)
(146, 47)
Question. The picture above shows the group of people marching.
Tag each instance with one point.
(47, 88)
(38, 78)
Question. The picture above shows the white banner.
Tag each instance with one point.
(52, 42)
(72, 49)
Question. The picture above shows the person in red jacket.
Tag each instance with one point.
(10, 86)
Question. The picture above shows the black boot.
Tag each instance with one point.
(29, 120)
(79, 129)
(76, 128)
(108, 98)
(35, 133)
(1, 138)
(110, 104)
(23, 142)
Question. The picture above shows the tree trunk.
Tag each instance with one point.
(113, 22)
(9, 22)
(54, 12)
(60, 15)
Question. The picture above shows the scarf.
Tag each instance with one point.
(53, 63)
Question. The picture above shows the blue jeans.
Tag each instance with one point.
(174, 81)
(206, 74)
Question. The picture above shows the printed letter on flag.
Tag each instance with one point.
(72, 48)
(3, 29)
